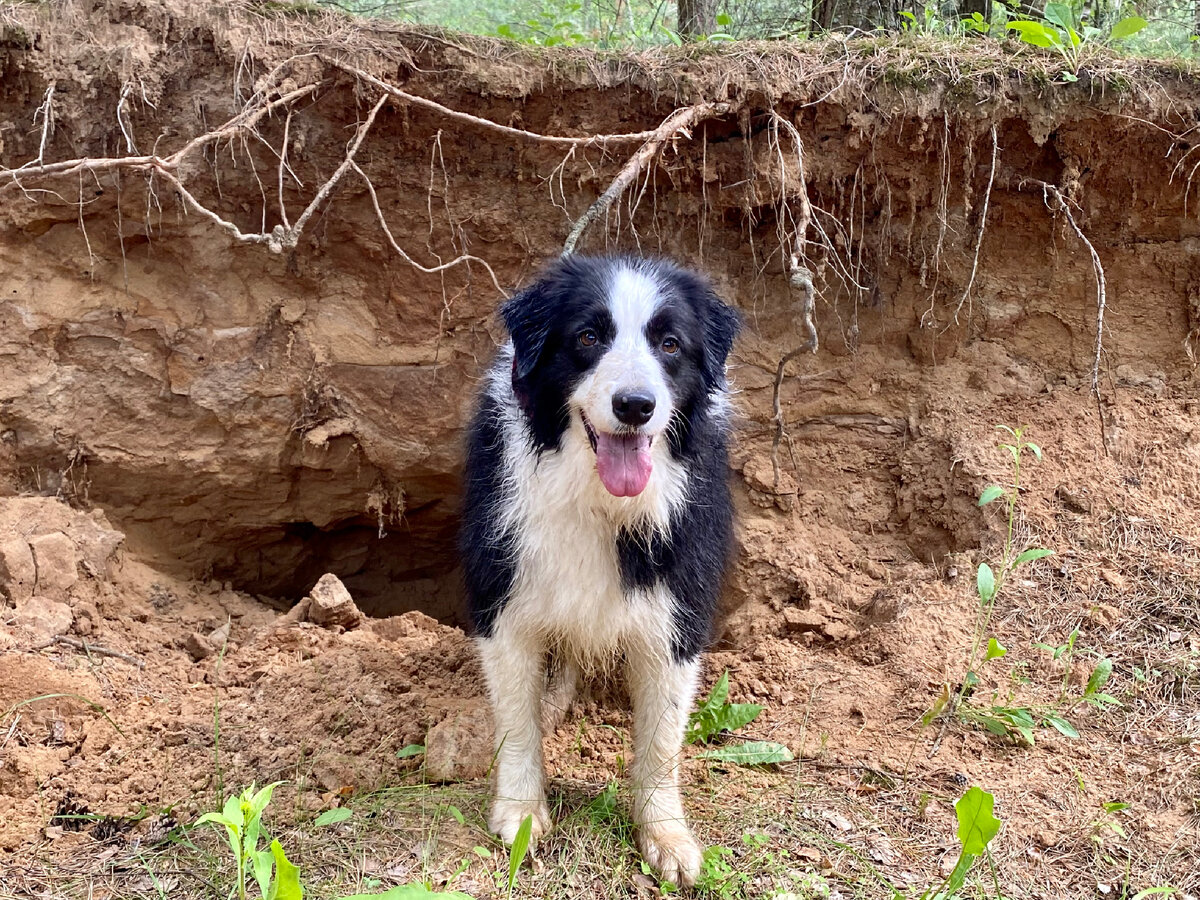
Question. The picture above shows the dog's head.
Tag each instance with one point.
(627, 352)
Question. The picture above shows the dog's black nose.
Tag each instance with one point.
(633, 407)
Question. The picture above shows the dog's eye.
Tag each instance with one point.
(587, 338)
(670, 345)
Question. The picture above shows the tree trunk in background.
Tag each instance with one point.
(822, 15)
(697, 17)
(967, 8)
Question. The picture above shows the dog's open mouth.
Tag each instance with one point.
(622, 460)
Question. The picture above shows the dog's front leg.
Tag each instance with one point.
(662, 692)
(515, 673)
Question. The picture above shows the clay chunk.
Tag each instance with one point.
(330, 604)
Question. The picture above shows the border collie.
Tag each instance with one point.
(597, 522)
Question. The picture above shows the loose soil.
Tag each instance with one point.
(212, 427)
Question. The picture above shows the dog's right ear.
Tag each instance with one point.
(527, 318)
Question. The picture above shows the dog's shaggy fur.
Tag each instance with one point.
(597, 521)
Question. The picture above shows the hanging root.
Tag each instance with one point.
(46, 111)
(466, 257)
(987, 198)
(1060, 204)
(679, 122)
(800, 276)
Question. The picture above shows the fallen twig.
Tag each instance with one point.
(98, 650)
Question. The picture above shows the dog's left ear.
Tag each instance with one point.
(527, 318)
(721, 326)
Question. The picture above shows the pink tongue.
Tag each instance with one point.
(623, 462)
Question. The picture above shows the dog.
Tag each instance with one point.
(597, 521)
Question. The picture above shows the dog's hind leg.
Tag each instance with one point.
(560, 694)
(662, 692)
(515, 670)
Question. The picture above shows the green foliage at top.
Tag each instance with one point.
(1062, 28)
(1068, 28)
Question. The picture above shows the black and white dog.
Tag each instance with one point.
(597, 521)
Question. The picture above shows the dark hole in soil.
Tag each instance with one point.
(413, 565)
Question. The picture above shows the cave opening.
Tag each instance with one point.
(389, 567)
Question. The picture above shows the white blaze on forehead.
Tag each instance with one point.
(632, 299)
(629, 363)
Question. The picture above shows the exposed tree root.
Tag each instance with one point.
(987, 198)
(680, 121)
(465, 257)
(800, 277)
(1060, 204)
(594, 140)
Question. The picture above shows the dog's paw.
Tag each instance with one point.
(507, 816)
(672, 852)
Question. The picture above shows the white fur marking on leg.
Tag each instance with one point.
(515, 672)
(662, 693)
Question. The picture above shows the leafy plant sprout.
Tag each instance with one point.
(241, 817)
(1007, 718)
(1061, 28)
(716, 716)
(988, 583)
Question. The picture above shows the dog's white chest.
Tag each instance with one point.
(568, 588)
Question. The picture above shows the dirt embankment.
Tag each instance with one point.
(258, 419)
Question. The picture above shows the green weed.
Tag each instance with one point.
(1007, 718)
(520, 847)
(241, 817)
(1062, 28)
(717, 716)
(977, 826)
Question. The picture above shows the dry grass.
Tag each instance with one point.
(871, 71)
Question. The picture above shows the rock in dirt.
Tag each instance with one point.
(801, 620)
(839, 631)
(17, 572)
(47, 617)
(459, 748)
(218, 637)
(330, 604)
(57, 564)
(198, 646)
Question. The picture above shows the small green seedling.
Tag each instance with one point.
(520, 847)
(977, 826)
(333, 816)
(717, 716)
(241, 818)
